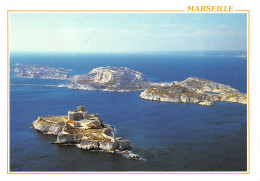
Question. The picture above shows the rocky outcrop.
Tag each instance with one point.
(88, 145)
(194, 91)
(108, 146)
(47, 125)
(67, 138)
(206, 103)
(120, 145)
(134, 157)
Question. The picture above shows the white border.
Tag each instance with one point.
(148, 5)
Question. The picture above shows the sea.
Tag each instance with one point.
(168, 137)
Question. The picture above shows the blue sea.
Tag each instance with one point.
(170, 137)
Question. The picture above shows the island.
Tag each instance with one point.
(118, 79)
(193, 90)
(84, 130)
(40, 71)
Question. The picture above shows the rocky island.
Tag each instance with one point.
(40, 71)
(84, 130)
(119, 79)
(193, 90)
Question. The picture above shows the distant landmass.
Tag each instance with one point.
(40, 71)
(121, 79)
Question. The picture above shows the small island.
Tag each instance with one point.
(116, 79)
(40, 72)
(84, 130)
(194, 91)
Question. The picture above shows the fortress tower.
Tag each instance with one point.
(81, 108)
(78, 115)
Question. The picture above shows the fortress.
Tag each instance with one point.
(78, 114)
(82, 119)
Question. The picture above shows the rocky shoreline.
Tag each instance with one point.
(88, 133)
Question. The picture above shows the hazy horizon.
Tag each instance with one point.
(156, 51)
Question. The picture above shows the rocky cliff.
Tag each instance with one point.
(51, 125)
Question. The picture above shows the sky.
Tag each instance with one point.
(126, 32)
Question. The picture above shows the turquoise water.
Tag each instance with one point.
(171, 137)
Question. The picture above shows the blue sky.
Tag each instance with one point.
(127, 32)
